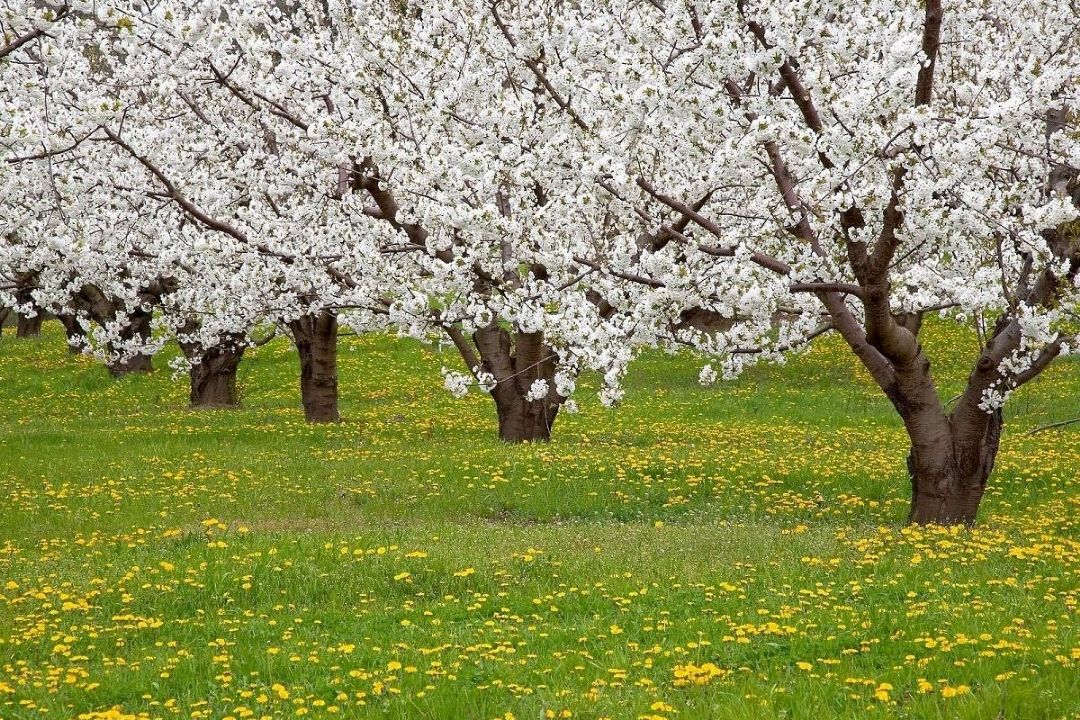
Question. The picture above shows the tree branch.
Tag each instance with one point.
(931, 44)
(538, 71)
(18, 42)
(837, 287)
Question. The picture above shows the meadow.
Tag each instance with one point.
(731, 552)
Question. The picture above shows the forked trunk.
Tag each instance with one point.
(213, 378)
(316, 344)
(523, 421)
(517, 363)
(29, 327)
(952, 454)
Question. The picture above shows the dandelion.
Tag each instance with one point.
(950, 691)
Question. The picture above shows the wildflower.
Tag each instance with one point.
(950, 691)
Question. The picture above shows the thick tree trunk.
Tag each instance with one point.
(947, 487)
(316, 344)
(29, 327)
(523, 421)
(138, 328)
(952, 454)
(213, 369)
(516, 363)
(213, 378)
(4, 313)
(75, 333)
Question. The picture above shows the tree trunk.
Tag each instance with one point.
(213, 369)
(4, 312)
(29, 327)
(316, 343)
(516, 363)
(947, 486)
(138, 327)
(136, 364)
(951, 454)
(213, 378)
(75, 333)
(523, 421)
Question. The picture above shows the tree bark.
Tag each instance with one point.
(75, 333)
(516, 363)
(4, 312)
(138, 327)
(104, 310)
(213, 369)
(523, 421)
(947, 486)
(315, 337)
(29, 327)
(213, 378)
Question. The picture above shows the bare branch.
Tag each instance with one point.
(818, 287)
(765, 261)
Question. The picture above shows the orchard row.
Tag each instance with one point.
(551, 187)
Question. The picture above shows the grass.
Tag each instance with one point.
(712, 553)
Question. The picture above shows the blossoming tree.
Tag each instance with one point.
(797, 168)
(379, 179)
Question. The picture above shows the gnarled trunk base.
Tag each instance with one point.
(316, 344)
(957, 506)
(213, 369)
(517, 362)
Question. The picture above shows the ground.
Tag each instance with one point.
(730, 552)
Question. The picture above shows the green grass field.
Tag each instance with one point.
(729, 552)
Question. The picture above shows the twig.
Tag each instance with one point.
(1052, 426)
